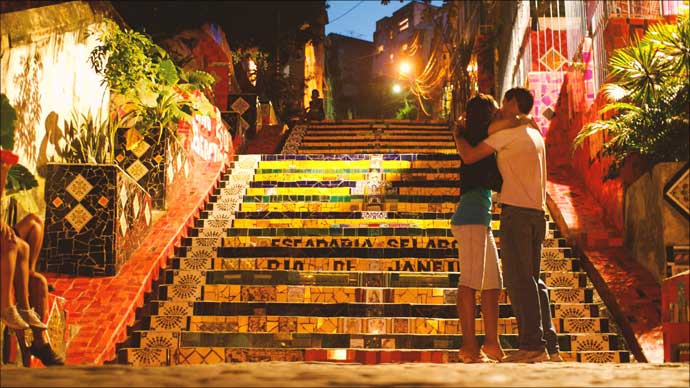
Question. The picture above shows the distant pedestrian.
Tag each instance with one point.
(315, 112)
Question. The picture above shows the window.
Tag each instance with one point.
(392, 57)
(379, 49)
(404, 47)
(404, 24)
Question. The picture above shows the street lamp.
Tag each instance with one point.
(397, 89)
(405, 68)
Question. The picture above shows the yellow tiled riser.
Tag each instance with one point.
(185, 291)
(345, 325)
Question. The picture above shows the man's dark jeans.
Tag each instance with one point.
(522, 233)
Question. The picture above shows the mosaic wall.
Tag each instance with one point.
(211, 139)
(158, 163)
(96, 217)
(245, 105)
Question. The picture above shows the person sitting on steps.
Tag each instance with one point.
(315, 112)
(19, 251)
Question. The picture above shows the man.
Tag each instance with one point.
(521, 159)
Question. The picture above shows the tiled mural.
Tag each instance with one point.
(341, 257)
(158, 163)
(96, 217)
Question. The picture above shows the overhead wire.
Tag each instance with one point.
(346, 12)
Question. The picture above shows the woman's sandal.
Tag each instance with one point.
(467, 358)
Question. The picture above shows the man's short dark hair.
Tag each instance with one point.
(525, 100)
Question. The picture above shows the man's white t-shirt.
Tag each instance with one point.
(521, 159)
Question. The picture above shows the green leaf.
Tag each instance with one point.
(167, 72)
(19, 178)
(619, 106)
(8, 120)
(147, 96)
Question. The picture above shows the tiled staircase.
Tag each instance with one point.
(342, 257)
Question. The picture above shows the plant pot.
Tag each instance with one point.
(159, 164)
(96, 218)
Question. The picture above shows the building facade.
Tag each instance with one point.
(348, 73)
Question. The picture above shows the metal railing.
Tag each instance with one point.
(642, 9)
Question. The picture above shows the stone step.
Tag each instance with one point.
(207, 355)
(189, 339)
(398, 136)
(325, 170)
(289, 178)
(380, 310)
(206, 259)
(372, 216)
(398, 237)
(345, 160)
(397, 287)
(388, 279)
(349, 325)
(377, 150)
(190, 287)
(380, 228)
(300, 249)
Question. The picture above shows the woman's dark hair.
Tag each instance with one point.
(480, 111)
(484, 173)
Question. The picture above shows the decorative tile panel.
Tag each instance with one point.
(95, 235)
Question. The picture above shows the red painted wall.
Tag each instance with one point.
(568, 122)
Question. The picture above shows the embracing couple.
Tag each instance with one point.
(503, 150)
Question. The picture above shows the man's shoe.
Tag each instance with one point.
(30, 317)
(555, 357)
(12, 319)
(47, 355)
(527, 356)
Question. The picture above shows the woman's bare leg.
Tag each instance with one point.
(466, 303)
(21, 276)
(30, 229)
(492, 346)
(38, 297)
(8, 262)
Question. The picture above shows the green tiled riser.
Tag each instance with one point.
(321, 255)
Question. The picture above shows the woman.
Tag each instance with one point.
(471, 227)
(19, 250)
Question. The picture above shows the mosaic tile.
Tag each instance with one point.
(148, 357)
(199, 356)
(78, 217)
(84, 237)
(79, 187)
(677, 191)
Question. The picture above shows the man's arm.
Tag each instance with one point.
(511, 122)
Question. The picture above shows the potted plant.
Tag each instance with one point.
(96, 214)
(151, 95)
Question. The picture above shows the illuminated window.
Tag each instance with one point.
(392, 57)
(380, 49)
(390, 34)
(404, 24)
(404, 47)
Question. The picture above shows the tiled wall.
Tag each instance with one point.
(157, 163)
